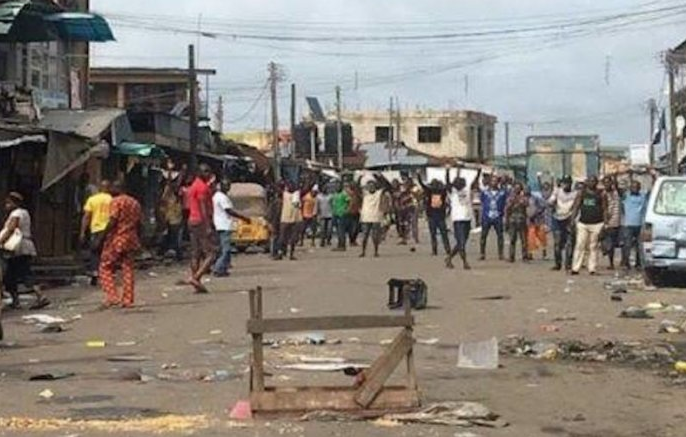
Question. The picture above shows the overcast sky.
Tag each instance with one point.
(593, 82)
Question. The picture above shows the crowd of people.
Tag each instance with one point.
(586, 219)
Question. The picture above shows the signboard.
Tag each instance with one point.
(639, 155)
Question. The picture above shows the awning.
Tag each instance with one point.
(66, 153)
(141, 150)
(43, 20)
(72, 26)
(24, 21)
(90, 123)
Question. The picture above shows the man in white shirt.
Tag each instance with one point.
(222, 216)
(461, 214)
(562, 202)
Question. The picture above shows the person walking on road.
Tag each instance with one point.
(18, 259)
(435, 195)
(200, 227)
(222, 217)
(493, 201)
(634, 204)
(96, 215)
(291, 220)
(324, 215)
(373, 212)
(461, 215)
(516, 219)
(591, 207)
(613, 219)
(340, 202)
(309, 212)
(122, 241)
(562, 203)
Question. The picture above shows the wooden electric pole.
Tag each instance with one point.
(192, 108)
(273, 78)
(652, 108)
(674, 140)
(339, 128)
(219, 115)
(507, 144)
(398, 137)
(390, 130)
(293, 116)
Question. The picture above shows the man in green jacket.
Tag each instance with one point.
(340, 203)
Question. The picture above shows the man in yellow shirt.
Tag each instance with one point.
(96, 216)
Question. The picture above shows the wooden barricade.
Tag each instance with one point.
(371, 394)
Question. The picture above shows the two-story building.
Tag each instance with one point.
(465, 135)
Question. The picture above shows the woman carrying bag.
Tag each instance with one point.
(18, 249)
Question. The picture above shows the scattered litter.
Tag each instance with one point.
(54, 376)
(635, 313)
(241, 411)
(52, 329)
(648, 310)
(353, 340)
(128, 358)
(153, 275)
(323, 367)
(386, 423)
(386, 342)
(125, 343)
(428, 341)
(550, 328)
(239, 356)
(220, 375)
(200, 341)
(640, 354)
(616, 298)
(216, 332)
(458, 414)
(95, 344)
(478, 355)
(542, 311)
(319, 360)
(165, 295)
(46, 394)
(671, 327)
(495, 297)
(43, 319)
(34, 361)
(680, 366)
(167, 366)
(76, 317)
(564, 319)
(295, 310)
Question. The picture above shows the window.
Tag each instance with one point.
(381, 134)
(429, 134)
(672, 199)
(480, 143)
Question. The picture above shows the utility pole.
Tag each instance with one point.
(273, 78)
(293, 116)
(192, 108)
(398, 137)
(674, 141)
(390, 130)
(507, 144)
(313, 142)
(339, 128)
(219, 115)
(652, 108)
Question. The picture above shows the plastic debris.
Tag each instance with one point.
(128, 358)
(478, 355)
(96, 344)
(323, 367)
(680, 366)
(46, 394)
(54, 376)
(670, 327)
(428, 341)
(216, 332)
(241, 411)
(43, 319)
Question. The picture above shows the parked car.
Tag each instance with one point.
(663, 237)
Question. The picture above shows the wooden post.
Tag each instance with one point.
(411, 375)
(257, 380)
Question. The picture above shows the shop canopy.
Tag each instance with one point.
(141, 150)
(26, 21)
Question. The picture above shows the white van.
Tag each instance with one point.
(663, 237)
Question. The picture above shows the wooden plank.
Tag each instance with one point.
(409, 359)
(383, 368)
(257, 367)
(327, 323)
(329, 398)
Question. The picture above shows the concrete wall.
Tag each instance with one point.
(459, 131)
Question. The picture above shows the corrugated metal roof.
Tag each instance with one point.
(377, 156)
(89, 123)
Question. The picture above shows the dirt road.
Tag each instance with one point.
(185, 338)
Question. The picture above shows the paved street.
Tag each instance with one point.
(193, 336)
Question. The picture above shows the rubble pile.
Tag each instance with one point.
(637, 354)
